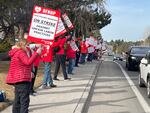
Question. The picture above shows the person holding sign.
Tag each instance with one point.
(19, 75)
(60, 58)
(78, 40)
(83, 52)
(71, 55)
(91, 48)
(47, 58)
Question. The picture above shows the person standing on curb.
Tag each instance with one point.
(78, 40)
(60, 58)
(19, 75)
(83, 52)
(47, 58)
(31, 48)
(35, 66)
(71, 55)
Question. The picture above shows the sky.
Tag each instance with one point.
(130, 20)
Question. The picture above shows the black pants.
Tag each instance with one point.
(22, 99)
(60, 60)
(33, 79)
(77, 58)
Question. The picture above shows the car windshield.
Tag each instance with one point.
(140, 50)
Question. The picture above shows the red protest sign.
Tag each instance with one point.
(43, 25)
(60, 29)
(67, 21)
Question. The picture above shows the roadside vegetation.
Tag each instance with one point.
(121, 46)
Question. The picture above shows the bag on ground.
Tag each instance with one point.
(2, 96)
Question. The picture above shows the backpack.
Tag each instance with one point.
(2, 96)
(56, 49)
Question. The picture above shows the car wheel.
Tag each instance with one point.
(141, 84)
(126, 65)
(148, 88)
(129, 68)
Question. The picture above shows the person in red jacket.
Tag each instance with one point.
(19, 75)
(47, 58)
(83, 52)
(60, 58)
(71, 55)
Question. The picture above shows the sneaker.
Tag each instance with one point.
(32, 94)
(45, 87)
(67, 79)
(56, 79)
(52, 85)
(34, 91)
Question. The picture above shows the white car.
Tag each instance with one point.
(144, 76)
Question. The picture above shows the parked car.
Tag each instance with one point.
(134, 56)
(118, 57)
(144, 76)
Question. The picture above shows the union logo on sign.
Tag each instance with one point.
(37, 9)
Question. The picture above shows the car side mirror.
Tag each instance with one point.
(144, 61)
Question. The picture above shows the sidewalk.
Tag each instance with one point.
(68, 96)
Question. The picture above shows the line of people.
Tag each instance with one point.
(26, 58)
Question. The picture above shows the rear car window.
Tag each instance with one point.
(140, 50)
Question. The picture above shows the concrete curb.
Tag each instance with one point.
(81, 106)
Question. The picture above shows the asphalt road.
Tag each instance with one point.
(116, 90)
(134, 75)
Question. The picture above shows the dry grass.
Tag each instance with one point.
(4, 65)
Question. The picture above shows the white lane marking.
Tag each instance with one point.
(116, 77)
(142, 101)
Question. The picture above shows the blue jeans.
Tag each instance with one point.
(47, 79)
(83, 56)
(90, 57)
(71, 65)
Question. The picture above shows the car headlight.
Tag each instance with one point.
(133, 57)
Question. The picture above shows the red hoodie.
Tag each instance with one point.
(83, 47)
(61, 42)
(47, 54)
(20, 66)
(70, 52)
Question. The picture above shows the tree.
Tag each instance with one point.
(86, 15)
(120, 46)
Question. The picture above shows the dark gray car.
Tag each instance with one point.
(134, 56)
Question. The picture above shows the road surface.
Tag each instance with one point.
(114, 92)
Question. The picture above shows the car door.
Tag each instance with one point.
(146, 67)
(142, 69)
